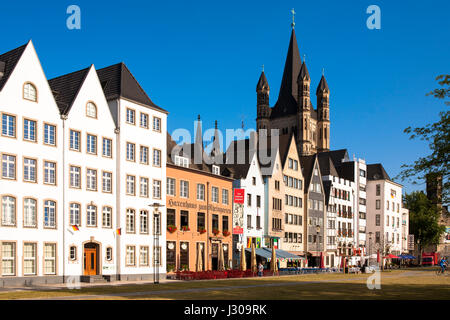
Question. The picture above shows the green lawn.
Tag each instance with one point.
(405, 284)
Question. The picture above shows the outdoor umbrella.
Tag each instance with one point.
(243, 263)
(253, 262)
(378, 256)
(199, 264)
(391, 256)
(220, 265)
(273, 261)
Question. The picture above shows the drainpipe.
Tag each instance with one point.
(118, 192)
(64, 118)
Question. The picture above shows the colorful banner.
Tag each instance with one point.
(239, 196)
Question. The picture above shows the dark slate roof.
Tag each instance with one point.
(323, 86)
(266, 151)
(237, 167)
(336, 156)
(10, 60)
(287, 97)
(327, 189)
(262, 82)
(326, 165)
(307, 163)
(188, 149)
(66, 87)
(377, 172)
(347, 170)
(285, 142)
(117, 81)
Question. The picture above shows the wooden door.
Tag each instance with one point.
(90, 261)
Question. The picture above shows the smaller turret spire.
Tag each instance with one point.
(303, 74)
(323, 86)
(262, 82)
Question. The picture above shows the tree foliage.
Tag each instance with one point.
(438, 136)
(423, 218)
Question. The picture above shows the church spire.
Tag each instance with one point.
(263, 84)
(291, 69)
(198, 143)
(216, 142)
(323, 85)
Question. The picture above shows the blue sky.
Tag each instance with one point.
(205, 57)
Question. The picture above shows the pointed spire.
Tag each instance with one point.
(303, 74)
(323, 86)
(263, 84)
(198, 135)
(291, 69)
(216, 142)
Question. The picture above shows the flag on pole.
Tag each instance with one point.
(119, 231)
(75, 227)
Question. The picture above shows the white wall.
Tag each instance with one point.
(152, 139)
(29, 69)
(102, 126)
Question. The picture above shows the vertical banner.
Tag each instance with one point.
(258, 243)
(411, 242)
(238, 211)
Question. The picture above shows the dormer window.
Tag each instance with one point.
(91, 110)
(182, 161)
(216, 170)
(29, 92)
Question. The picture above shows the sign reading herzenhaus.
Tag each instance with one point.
(191, 205)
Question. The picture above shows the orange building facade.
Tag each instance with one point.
(199, 219)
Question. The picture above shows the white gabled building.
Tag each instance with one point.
(247, 175)
(83, 173)
(31, 180)
(89, 171)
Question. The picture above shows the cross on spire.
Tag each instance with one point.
(293, 18)
(262, 68)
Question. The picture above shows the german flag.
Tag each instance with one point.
(119, 231)
(75, 227)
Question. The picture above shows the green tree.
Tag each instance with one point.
(423, 219)
(438, 136)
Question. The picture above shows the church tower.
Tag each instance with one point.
(323, 115)
(304, 140)
(262, 103)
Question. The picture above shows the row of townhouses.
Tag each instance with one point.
(94, 187)
(83, 172)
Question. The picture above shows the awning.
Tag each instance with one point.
(281, 254)
(406, 256)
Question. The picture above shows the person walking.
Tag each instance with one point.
(443, 264)
(260, 269)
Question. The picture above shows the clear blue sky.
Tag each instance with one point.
(204, 57)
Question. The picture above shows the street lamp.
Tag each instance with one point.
(370, 246)
(156, 233)
(318, 244)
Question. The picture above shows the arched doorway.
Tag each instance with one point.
(91, 259)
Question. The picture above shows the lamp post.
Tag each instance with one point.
(318, 244)
(370, 246)
(156, 233)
